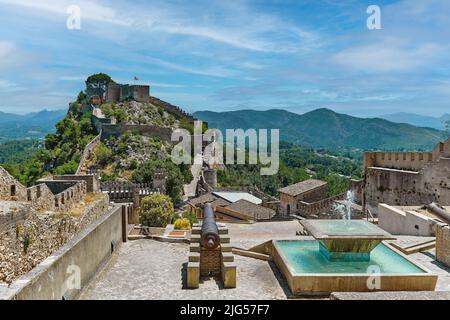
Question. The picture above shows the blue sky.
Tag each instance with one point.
(225, 55)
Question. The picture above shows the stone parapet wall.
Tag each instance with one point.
(109, 130)
(45, 234)
(413, 161)
(88, 152)
(443, 243)
(12, 213)
(86, 252)
(72, 195)
(319, 207)
(177, 112)
(92, 182)
(40, 197)
(399, 222)
(10, 188)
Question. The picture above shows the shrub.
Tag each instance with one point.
(182, 224)
(190, 216)
(120, 115)
(156, 210)
(103, 154)
(67, 168)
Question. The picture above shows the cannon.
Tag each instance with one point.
(210, 252)
(433, 207)
(210, 238)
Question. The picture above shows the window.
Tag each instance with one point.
(13, 190)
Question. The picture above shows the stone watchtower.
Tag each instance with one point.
(210, 176)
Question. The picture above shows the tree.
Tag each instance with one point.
(96, 84)
(67, 168)
(175, 179)
(81, 97)
(156, 210)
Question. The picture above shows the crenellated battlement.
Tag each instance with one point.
(407, 178)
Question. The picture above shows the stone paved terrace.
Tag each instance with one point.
(148, 269)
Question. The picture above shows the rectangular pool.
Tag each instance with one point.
(307, 270)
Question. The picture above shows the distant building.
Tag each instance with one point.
(291, 197)
(232, 206)
(407, 178)
(120, 92)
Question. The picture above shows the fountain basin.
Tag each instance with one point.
(346, 239)
(308, 271)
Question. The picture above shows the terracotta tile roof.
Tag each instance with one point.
(256, 212)
(219, 202)
(301, 187)
(208, 198)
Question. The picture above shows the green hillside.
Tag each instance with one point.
(328, 129)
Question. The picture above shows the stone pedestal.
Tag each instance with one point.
(218, 262)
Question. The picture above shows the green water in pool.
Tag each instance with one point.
(305, 257)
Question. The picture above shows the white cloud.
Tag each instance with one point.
(233, 24)
(10, 55)
(211, 71)
(8, 86)
(89, 9)
(384, 57)
(73, 78)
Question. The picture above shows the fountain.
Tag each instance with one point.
(347, 240)
(345, 207)
(345, 256)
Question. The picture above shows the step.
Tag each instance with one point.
(195, 238)
(194, 257)
(226, 247)
(227, 257)
(223, 230)
(193, 275)
(425, 246)
(198, 230)
(229, 274)
(194, 247)
(224, 239)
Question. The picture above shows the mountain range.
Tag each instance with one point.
(318, 128)
(418, 120)
(31, 125)
(329, 129)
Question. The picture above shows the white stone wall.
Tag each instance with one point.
(399, 222)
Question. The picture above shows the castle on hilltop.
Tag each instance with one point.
(120, 92)
(116, 92)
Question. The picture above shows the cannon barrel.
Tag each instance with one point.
(433, 207)
(210, 233)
